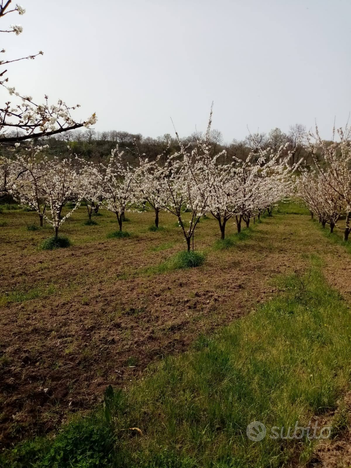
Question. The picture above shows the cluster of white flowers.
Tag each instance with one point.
(118, 190)
(20, 9)
(29, 119)
(37, 119)
(17, 29)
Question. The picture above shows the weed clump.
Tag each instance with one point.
(188, 259)
(223, 244)
(32, 227)
(154, 228)
(90, 222)
(118, 235)
(55, 243)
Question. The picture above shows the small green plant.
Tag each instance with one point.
(222, 244)
(188, 259)
(181, 260)
(154, 228)
(32, 227)
(90, 222)
(244, 234)
(55, 243)
(84, 444)
(26, 454)
(340, 422)
(132, 361)
(118, 235)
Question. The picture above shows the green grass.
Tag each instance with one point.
(32, 227)
(188, 259)
(223, 244)
(154, 228)
(10, 206)
(183, 259)
(245, 234)
(292, 206)
(55, 243)
(335, 237)
(22, 296)
(284, 363)
(161, 247)
(118, 235)
(90, 222)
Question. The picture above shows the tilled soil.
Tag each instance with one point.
(100, 318)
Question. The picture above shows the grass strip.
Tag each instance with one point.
(286, 362)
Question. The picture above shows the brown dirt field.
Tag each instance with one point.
(90, 316)
(335, 452)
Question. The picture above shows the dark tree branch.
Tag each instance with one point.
(39, 135)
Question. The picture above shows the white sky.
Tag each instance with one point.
(136, 63)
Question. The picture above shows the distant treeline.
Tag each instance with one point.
(97, 146)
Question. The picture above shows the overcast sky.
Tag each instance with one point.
(136, 63)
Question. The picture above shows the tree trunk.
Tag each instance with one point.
(157, 212)
(238, 222)
(120, 221)
(323, 223)
(188, 243)
(311, 213)
(41, 220)
(90, 211)
(56, 232)
(222, 226)
(347, 227)
(123, 216)
(247, 222)
(332, 225)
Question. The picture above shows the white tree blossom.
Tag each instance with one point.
(118, 185)
(330, 178)
(25, 117)
(48, 184)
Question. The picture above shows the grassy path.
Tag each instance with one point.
(283, 363)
